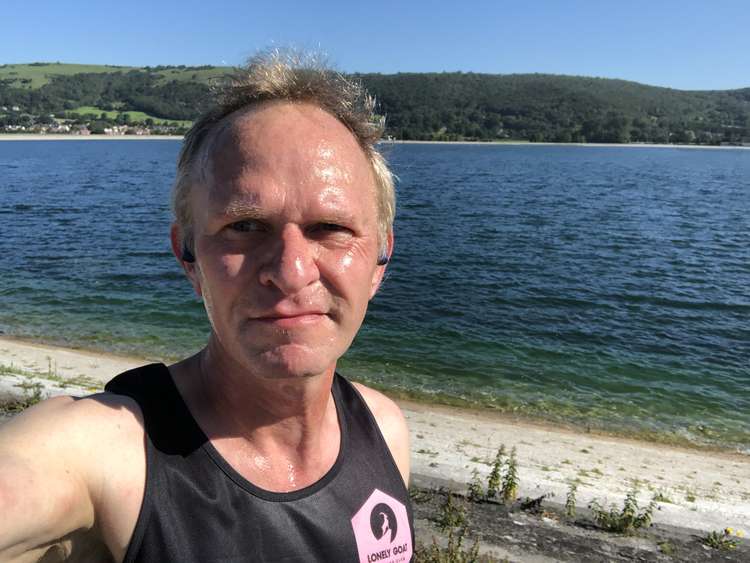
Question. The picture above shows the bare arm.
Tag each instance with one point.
(392, 425)
(43, 494)
(60, 471)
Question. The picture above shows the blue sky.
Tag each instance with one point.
(683, 44)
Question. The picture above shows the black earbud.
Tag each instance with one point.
(187, 256)
(383, 260)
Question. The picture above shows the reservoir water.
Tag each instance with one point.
(601, 286)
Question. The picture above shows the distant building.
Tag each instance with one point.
(137, 131)
(115, 130)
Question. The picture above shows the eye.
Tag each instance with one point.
(328, 229)
(247, 226)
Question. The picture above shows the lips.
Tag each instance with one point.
(291, 318)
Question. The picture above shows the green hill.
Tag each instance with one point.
(425, 106)
(35, 75)
(542, 107)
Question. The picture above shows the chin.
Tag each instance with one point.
(295, 361)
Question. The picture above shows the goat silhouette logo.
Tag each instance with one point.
(381, 529)
(383, 522)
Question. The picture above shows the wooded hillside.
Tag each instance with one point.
(426, 106)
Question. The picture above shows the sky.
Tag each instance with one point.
(686, 44)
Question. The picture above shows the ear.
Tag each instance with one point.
(191, 269)
(377, 276)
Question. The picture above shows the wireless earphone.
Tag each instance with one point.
(187, 256)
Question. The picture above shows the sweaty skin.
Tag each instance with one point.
(286, 262)
(286, 250)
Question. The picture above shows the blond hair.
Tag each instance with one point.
(292, 77)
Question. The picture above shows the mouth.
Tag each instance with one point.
(299, 319)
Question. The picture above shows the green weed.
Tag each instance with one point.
(722, 540)
(509, 491)
(627, 520)
(32, 394)
(476, 491)
(453, 553)
(666, 548)
(494, 479)
(570, 501)
(452, 514)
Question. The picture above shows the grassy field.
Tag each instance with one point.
(36, 75)
(39, 74)
(205, 75)
(134, 115)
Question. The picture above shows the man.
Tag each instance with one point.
(253, 449)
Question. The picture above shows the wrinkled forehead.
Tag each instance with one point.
(283, 136)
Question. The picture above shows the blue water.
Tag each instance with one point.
(607, 287)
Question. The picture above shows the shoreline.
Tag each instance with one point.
(63, 137)
(105, 363)
(550, 144)
(706, 490)
(664, 438)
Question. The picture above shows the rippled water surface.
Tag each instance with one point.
(606, 286)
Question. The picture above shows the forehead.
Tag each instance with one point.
(296, 149)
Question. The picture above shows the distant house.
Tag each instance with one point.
(137, 131)
(59, 128)
(115, 130)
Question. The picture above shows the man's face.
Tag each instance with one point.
(285, 240)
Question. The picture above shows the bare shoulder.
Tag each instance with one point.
(67, 426)
(58, 461)
(392, 424)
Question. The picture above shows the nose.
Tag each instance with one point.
(291, 264)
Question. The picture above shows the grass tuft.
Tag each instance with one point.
(32, 394)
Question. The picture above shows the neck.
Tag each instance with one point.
(257, 422)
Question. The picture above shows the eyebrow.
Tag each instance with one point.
(242, 209)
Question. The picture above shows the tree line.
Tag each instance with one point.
(552, 108)
(440, 106)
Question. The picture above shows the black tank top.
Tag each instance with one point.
(197, 508)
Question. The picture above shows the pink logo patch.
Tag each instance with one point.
(381, 528)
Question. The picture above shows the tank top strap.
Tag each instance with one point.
(365, 436)
(170, 425)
